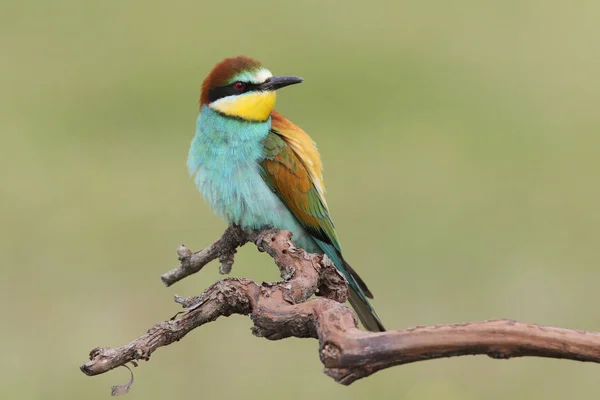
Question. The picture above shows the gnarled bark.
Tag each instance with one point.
(284, 309)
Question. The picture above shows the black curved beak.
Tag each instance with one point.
(277, 82)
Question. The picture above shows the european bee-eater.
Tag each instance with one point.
(258, 170)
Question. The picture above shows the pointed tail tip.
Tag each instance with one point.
(380, 326)
(367, 315)
(373, 324)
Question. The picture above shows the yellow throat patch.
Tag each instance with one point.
(252, 106)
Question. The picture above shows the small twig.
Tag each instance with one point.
(224, 249)
(283, 310)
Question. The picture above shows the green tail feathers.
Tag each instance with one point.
(368, 317)
(358, 290)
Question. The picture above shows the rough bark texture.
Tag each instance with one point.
(284, 310)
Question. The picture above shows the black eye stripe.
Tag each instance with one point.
(229, 90)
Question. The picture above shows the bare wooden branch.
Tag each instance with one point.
(224, 249)
(284, 310)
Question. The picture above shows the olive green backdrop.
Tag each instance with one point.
(460, 142)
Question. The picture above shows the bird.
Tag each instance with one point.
(256, 169)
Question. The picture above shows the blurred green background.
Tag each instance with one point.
(460, 141)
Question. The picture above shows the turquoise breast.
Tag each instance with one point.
(224, 159)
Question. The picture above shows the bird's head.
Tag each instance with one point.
(241, 87)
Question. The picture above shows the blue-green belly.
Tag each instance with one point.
(225, 157)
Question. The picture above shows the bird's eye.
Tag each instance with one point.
(239, 86)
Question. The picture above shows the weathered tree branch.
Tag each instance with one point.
(284, 310)
(224, 249)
